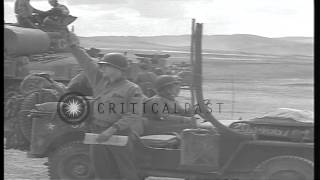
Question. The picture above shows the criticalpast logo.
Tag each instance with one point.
(73, 108)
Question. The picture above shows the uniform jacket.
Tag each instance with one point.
(80, 84)
(167, 116)
(118, 104)
(164, 108)
(23, 8)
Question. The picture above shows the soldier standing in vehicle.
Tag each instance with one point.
(24, 11)
(164, 113)
(55, 15)
(107, 78)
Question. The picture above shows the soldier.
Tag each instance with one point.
(146, 80)
(24, 11)
(80, 84)
(110, 86)
(55, 15)
(164, 113)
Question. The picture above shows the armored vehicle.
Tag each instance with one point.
(219, 152)
(28, 51)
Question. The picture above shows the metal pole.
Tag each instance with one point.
(232, 101)
(192, 60)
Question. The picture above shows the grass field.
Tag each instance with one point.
(251, 88)
(250, 85)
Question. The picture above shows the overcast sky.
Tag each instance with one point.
(270, 18)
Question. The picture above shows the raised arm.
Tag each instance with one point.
(89, 66)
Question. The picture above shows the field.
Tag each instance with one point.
(248, 85)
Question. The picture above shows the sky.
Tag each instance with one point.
(269, 18)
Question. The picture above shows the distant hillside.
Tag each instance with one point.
(237, 42)
(298, 39)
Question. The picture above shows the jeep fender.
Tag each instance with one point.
(251, 153)
(45, 140)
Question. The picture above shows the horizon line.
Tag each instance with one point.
(297, 36)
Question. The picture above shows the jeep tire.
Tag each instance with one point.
(70, 161)
(285, 168)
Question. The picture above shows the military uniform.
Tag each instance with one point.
(146, 81)
(80, 84)
(166, 115)
(119, 105)
(55, 15)
(23, 11)
(22, 8)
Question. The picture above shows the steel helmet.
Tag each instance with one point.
(115, 60)
(166, 80)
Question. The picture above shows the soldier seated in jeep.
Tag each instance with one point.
(162, 110)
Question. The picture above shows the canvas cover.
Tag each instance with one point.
(287, 115)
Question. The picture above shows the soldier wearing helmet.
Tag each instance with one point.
(110, 87)
(55, 15)
(163, 111)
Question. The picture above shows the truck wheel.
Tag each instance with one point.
(285, 168)
(71, 161)
(29, 103)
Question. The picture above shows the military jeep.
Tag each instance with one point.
(217, 152)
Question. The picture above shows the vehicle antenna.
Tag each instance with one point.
(233, 97)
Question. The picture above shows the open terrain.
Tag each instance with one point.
(247, 82)
(236, 43)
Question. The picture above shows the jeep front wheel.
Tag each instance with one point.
(71, 161)
(285, 168)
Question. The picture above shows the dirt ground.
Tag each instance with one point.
(247, 88)
(18, 166)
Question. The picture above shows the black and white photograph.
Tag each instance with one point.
(158, 89)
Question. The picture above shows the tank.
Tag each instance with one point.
(29, 51)
(17, 40)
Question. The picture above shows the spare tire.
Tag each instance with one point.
(36, 97)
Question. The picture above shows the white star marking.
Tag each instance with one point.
(51, 126)
(73, 108)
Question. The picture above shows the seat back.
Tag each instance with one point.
(160, 141)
